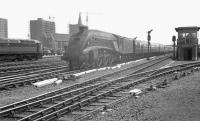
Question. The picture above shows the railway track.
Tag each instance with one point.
(135, 69)
(29, 78)
(39, 107)
(8, 64)
(28, 68)
(14, 81)
(32, 72)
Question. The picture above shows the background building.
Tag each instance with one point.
(3, 28)
(43, 31)
(61, 40)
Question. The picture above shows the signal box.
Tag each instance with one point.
(187, 43)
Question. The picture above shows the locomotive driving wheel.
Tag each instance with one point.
(111, 60)
(107, 61)
(99, 61)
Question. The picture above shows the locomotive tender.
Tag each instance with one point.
(20, 49)
(96, 48)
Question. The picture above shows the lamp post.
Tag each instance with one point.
(149, 38)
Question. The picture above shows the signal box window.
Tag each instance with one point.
(182, 35)
(193, 35)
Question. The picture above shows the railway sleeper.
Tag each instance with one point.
(96, 104)
(100, 97)
(96, 93)
(77, 98)
(16, 84)
(8, 87)
(79, 112)
(113, 96)
(112, 88)
(61, 98)
(69, 102)
(35, 110)
(183, 74)
(89, 108)
(4, 88)
(21, 115)
(102, 101)
(75, 107)
(61, 105)
(8, 114)
(105, 99)
(110, 98)
(20, 84)
(162, 84)
(176, 77)
(21, 110)
(84, 103)
(92, 99)
(116, 85)
(106, 89)
(28, 83)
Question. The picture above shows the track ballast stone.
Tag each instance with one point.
(179, 101)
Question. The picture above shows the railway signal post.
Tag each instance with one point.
(149, 38)
(174, 46)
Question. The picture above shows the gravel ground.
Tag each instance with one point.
(177, 102)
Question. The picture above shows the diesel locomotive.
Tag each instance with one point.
(19, 49)
(95, 48)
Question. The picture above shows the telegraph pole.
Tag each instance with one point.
(149, 38)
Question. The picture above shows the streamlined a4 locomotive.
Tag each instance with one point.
(94, 48)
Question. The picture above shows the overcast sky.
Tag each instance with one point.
(128, 18)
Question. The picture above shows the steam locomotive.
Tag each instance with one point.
(19, 49)
(94, 48)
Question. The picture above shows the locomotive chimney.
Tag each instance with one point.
(82, 27)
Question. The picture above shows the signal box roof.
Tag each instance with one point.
(189, 28)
